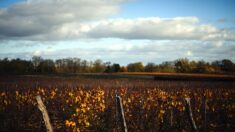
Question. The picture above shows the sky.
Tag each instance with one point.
(120, 31)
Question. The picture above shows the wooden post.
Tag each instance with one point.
(121, 113)
(190, 115)
(46, 119)
(204, 113)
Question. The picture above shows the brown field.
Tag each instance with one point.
(88, 102)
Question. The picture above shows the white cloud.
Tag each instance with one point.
(154, 28)
(128, 51)
(180, 28)
(40, 17)
(75, 19)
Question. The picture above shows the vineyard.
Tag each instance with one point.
(89, 104)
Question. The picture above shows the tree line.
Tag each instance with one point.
(38, 65)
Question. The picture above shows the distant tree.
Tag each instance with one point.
(135, 67)
(21, 66)
(16, 66)
(59, 66)
(108, 68)
(46, 66)
(36, 60)
(5, 66)
(68, 65)
(167, 66)
(150, 67)
(112, 68)
(193, 65)
(123, 69)
(227, 66)
(182, 65)
(98, 66)
(76, 65)
(1, 67)
(224, 66)
(85, 67)
(203, 67)
(217, 66)
(116, 68)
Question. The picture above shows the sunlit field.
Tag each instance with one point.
(89, 104)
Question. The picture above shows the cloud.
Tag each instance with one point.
(179, 28)
(133, 51)
(39, 17)
(44, 20)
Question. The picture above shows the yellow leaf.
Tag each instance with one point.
(87, 124)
